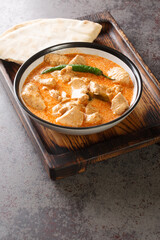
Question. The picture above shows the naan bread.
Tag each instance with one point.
(22, 41)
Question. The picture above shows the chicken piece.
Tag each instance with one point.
(119, 104)
(77, 93)
(64, 97)
(120, 76)
(77, 83)
(66, 106)
(73, 118)
(65, 74)
(49, 82)
(93, 119)
(72, 104)
(109, 93)
(55, 75)
(86, 80)
(78, 59)
(116, 89)
(61, 108)
(94, 88)
(98, 91)
(56, 59)
(79, 88)
(55, 110)
(113, 91)
(55, 94)
(90, 109)
(67, 69)
(32, 96)
(83, 99)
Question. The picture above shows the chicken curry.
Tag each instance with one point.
(77, 90)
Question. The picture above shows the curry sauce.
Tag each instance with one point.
(103, 108)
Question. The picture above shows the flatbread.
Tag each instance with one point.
(12, 29)
(23, 40)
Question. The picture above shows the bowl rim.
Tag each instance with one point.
(53, 48)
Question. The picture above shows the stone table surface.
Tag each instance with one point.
(118, 199)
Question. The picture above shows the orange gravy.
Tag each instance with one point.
(103, 107)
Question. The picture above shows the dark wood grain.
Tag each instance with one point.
(65, 155)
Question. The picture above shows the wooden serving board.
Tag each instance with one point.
(65, 155)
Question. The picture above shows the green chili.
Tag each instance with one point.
(52, 69)
(78, 68)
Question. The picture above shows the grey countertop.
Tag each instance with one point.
(118, 199)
